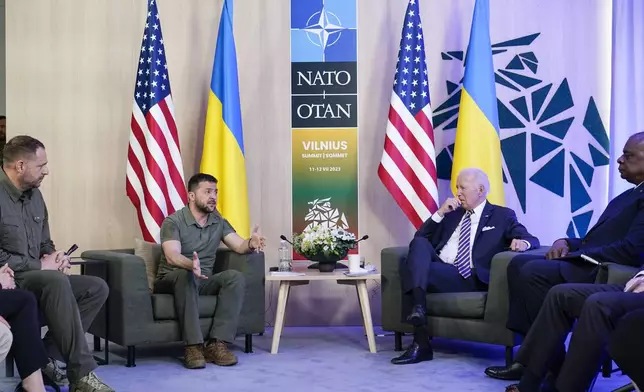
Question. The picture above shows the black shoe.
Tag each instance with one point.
(509, 373)
(414, 354)
(418, 316)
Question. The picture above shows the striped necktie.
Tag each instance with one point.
(462, 262)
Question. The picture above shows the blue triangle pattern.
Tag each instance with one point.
(551, 175)
(521, 41)
(451, 125)
(513, 151)
(444, 165)
(497, 51)
(515, 63)
(532, 66)
(445, 56)
(542, 146)
(560, 102)
(529, 56)
(582, 221)
(585, 169)
(593, 123)
(454, 100)
(505, 179)
(521, 105)
(507, 119)
(521, 80)
(579, 197)
(451, 86)
(570, 233)
(538, 98)
(456, 54)
(451, 149)
(503, 82)
(442, 117)
(559, 129)
(599, 158)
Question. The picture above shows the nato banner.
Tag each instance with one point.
(324, 107)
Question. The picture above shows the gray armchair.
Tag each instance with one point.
(474, 316)
(138, 317)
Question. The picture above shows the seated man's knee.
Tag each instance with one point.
(599, 303)
(234, 278)
(418, 242)
(533, 269)
(56, 281)
(98, 288)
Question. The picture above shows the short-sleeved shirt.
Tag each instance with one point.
(24, 227)
(182, 226)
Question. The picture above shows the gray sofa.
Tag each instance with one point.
(479, 316)
(474, 316)
(137, 317)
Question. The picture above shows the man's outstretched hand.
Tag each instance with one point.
(196, 266)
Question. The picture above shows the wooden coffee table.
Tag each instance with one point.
(286, 282)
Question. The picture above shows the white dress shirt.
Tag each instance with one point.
(449, 251)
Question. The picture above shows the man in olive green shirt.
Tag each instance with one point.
(190, 238)
(69, 302)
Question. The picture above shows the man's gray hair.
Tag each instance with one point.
(479, 177)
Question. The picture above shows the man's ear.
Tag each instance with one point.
(20, 166)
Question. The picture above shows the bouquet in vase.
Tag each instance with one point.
(324, 244)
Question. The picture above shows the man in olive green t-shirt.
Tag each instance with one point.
(190, 238)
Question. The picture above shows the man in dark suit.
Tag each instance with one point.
(599, 308)
(618, 237)
(452, 252)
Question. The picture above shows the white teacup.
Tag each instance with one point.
(354, 263)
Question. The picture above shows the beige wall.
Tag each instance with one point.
(71, 71)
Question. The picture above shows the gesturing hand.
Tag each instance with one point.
(558, 249)
(196, 266)
(6, 277)
(257, 240)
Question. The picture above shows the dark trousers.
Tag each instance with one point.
(69, 304)
(20, 309)
(424, 270)
(529, 282)
(228, 286)
(627, 346)
(598, 309)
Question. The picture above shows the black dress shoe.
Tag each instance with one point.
(418, 316)
(414, 354)
(510, 373)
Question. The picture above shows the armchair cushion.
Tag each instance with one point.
(151, 255)
(163, 306)
(457, 305)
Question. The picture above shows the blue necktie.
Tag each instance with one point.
(462, 262)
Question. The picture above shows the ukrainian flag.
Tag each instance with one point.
(477, 133)
(223, 145)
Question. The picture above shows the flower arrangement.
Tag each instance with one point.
(318, 241)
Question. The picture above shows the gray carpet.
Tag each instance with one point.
(313, 360)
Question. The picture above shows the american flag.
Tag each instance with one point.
(408, 164)
(154, 179)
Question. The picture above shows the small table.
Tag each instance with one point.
(83, 263)
(360, 282)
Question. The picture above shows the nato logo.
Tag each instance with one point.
(323, 30)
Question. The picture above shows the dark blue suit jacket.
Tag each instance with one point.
(618, 235)
(486, 243)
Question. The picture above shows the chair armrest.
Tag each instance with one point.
(613, 273)
(130, 304)
(497, 304)
(252, 265)
(391, 287)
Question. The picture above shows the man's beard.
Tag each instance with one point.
(204, 207)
